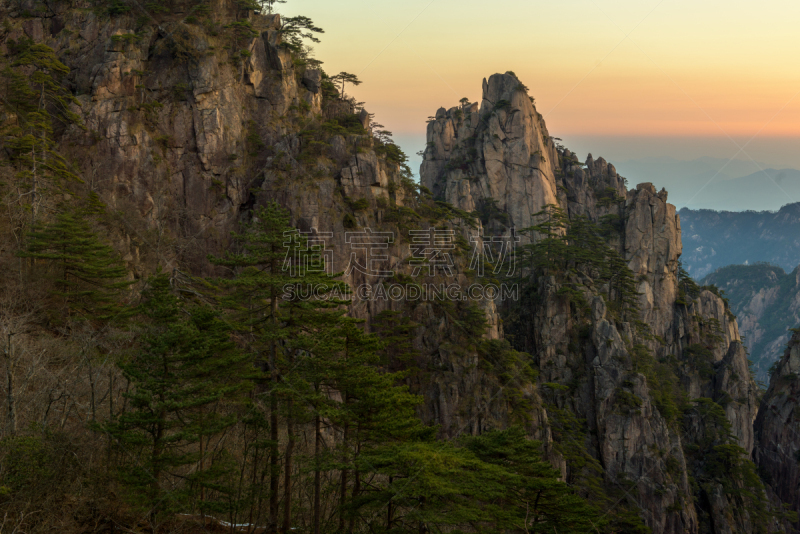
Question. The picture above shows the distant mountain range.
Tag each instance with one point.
(714, 239)
(766, 302)
(753, 256)
(714, 183)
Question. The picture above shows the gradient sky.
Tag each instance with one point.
(656, 78)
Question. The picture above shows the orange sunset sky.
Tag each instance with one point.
(643, 78)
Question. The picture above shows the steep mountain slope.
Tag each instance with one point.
(714, 239)
(777, 426)
(766, 301)
(183, 141)
(635, 379)
(595, 363)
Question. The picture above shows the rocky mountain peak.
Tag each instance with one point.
(629, 373)
(500, 161)
(496, 156)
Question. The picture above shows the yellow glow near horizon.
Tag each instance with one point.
(687, 68)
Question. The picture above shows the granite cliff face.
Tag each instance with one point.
(167, 117)
(508, 137)
(777, 428)
(766, 301)
(183, 141)
(484, 158)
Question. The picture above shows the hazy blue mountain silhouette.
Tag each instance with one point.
(714, 239)
(718, 184)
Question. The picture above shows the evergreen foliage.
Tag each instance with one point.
(585, 473)
(273, 265)
(36, 95)
(88, 274)
(514, 372)
(295, 29)
(375, 408)
(574, 250)
(344, 78)
(270, 4)
(663, 384)
(396, 330)
(719, 461)
(186, 366)
(275, 268)
(537, 501)
(493, 483)
(260, 402)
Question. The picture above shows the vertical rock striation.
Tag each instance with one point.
(498, 151)
(499, 160)
(777, 428)
(183, 144)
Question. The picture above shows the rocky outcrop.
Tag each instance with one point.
(777, 428)
(497, 151)
(184, 139)
(652, 247)
(167, 116)
(190, 127)
(635, 442)
(481, 159)
(766, 301)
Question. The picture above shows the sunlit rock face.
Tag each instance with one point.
(497, 158)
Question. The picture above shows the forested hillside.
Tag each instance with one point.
(202, 240)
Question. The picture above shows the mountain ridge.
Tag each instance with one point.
(716, 239)
(631, 378)
(766, 301)
(486, 155)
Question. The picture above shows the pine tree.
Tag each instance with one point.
(429, 486)
(254, 296)
(357, 351)
(294, 29)
(39, 101)
(494, 483)
(345, 78)
(279, 298)
(535, 499)
(548, 249)
(375, 406)
(270, 4)
(186, 366)
(88, 274)
(623, 292)
(309, 324)
(317, 372)
(397, 332)
(566, 245)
